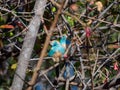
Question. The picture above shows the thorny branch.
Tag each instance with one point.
(103, 44)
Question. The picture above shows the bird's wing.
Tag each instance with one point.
(56, 47)
(54, 43)
(53, 49)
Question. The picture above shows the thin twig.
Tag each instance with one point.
(47, 70)
(48, 80)
(104, 63)
(67, 85)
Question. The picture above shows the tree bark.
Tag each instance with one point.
(44, 50)
(28, 45)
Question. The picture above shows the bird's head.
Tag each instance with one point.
(64, 37)
(63, 40)
(54, 43)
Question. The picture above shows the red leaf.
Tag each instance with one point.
(88, 31)
(74, 7)
(91, 2)
(19, 23)
(7, 26)
(116, 66)
(65, 56)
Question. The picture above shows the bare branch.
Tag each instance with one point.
(27, 47)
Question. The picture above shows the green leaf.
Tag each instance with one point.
(20, 39)
(53, 9)
(14, 66)
(11, 34)
(70, 21)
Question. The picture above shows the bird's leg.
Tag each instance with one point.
(54, 59)
(57, 59)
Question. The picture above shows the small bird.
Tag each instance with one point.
(69, 73)
(58, 48)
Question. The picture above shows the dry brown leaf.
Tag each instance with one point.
(99, 5)
(89, 22)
